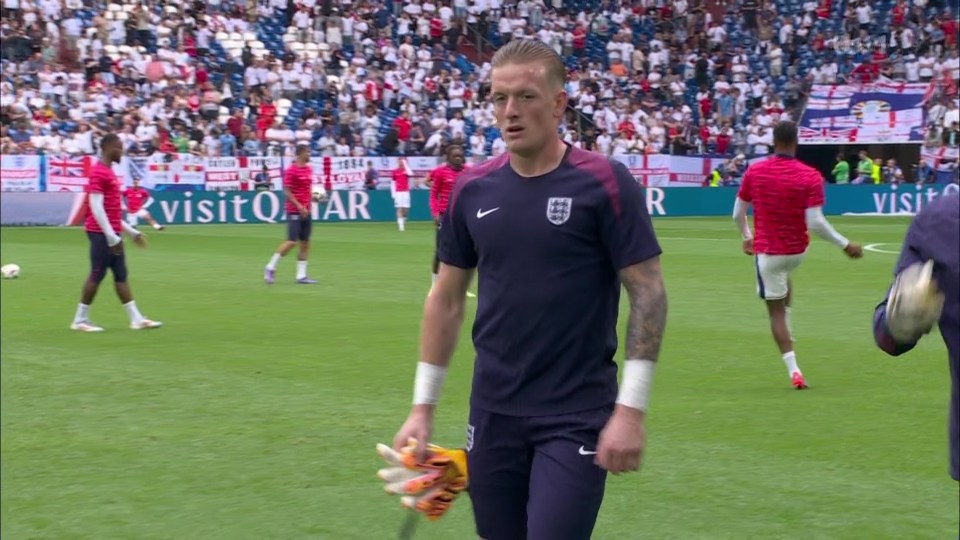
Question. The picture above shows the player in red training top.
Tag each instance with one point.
(400, 187)
(298, 190)
(136, 197)
(441, 181)
(103, 224)
(787, 198)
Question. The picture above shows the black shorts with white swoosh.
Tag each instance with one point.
(534, 477)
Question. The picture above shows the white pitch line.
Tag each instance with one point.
(702, 239)
(875, 249)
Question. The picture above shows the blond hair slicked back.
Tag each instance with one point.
(532, 51)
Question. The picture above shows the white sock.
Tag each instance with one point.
(301, 269)
(433, 279)
(272, 265)
(133, 312)
(790, 359)
(156, 226)
(401, 222)
(82, 312)
(789, 328)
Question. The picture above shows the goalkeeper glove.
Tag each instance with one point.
(914, 303)
(430, 486)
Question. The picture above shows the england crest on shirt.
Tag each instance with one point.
(558, 209)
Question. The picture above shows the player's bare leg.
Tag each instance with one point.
(788, 302)
(302, 264)
(153, 223)
(269, 273)
(81, 321)
(781, 335)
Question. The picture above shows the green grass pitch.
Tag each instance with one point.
(254, 412)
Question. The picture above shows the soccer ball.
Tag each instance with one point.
(10, 271)
(319, 193)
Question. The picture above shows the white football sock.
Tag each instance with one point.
(790, 359)
(401, 222)
(301, 269)
(272, 265)
(789, 328)
(83, 311)
(133, 312)
(157, 226)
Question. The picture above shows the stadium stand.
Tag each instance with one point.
(245, 77)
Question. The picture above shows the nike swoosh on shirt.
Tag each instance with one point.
(481, 213)
(584, 452)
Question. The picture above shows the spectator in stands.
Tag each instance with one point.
(891, 172)
(640, 64)
(951, 137)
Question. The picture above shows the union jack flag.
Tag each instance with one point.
(67, 166)
(67, 173)
(812, 136)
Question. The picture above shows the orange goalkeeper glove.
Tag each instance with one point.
(429, 487)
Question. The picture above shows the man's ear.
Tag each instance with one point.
(561, 104)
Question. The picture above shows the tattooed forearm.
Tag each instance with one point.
(648, 309)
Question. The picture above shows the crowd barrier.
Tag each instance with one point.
(229, 207)
(185, 172)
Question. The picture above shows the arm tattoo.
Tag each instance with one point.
(648, 309)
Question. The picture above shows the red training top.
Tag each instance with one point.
(781, 189)
(299, 180)
(442, 180)
(135, 197)
(401, 182)
(104, 180)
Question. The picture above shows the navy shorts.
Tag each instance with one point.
(102, 258)
(533, 478)
(298, 228)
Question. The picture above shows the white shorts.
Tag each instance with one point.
(132, 216)
(773, 274)
(401, 199)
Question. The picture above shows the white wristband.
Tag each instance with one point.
(428, 383)
(635, 386)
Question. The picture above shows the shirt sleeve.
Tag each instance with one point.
(625, 225)
(815, 195)
(910, 253)
(456, 245)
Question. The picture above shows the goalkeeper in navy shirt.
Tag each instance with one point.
(552, 232)
(932, 244)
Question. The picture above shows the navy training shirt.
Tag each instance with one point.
(935, 234)
(547, 251)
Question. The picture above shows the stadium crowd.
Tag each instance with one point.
(245, 77)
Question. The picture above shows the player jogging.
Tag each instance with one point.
(297, 190)
(400, 188)
(926, 292)
(136, 198)
(787, 198)
(552, 231)
(103, 224)
(441, 181)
